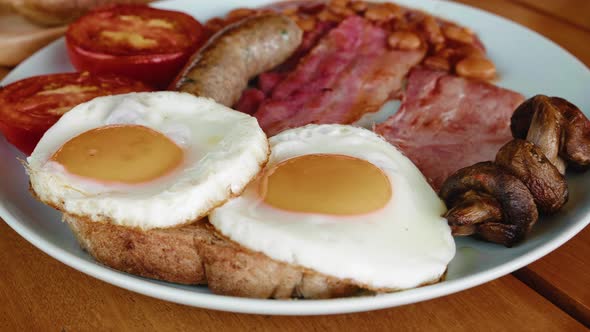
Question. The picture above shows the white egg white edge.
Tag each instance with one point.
(360, 249)
(221, 174)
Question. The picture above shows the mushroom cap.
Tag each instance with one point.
(519, 212)
(574, 145)
(576, 139)
(472, 210)
(520, 121)
(527, 162)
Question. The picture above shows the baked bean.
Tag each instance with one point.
(458, 53)
(392, 7)
(401, 25)
(379, 13)
(338, 3)
(290, 11)
(457, 34)
(306, 24)
(447, 53)
(436, 62)
(239, 13)
(438, 47)
(328, 16)
(470, 51)
(342, 11)
(433, 31)
(311, 7)
(404, 40)
(358, 6)
(293, 16)
(476, 67)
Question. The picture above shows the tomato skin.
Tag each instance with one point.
(155, 70)
(157, 66)
(23, 139)
(29, 107)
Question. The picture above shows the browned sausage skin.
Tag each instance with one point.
(222, 68)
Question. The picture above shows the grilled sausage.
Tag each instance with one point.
(221, 69)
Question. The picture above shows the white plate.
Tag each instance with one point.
(527, 63)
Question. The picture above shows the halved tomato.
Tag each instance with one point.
(137, 41)
(31, 106)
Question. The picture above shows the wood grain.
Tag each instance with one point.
(563, 277)
(37, 293)
(566, 35)
(576, 12)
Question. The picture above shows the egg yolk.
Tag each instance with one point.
(327, 184)
(127, 154)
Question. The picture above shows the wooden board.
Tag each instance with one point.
(563, 277)
(576, 12)
(566, 35)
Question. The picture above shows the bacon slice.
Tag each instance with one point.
(446, 123)
(250, 101)
(349, 73)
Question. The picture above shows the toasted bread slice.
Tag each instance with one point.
(197, 254)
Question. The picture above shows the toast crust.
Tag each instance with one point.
(197, 254)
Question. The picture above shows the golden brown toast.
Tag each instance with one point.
(197, 254)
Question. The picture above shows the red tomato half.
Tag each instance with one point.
(31, 106)
(137, 41)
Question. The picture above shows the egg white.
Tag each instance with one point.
(224, 149)
(403, 245)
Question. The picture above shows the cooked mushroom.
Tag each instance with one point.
(576, 139)
(544, 129)
(472, 210)
(546, 121)
(545, 133)
(522, 116)
(519, 212)
(500, 201)
(528, 163)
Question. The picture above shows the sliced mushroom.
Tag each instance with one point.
(546, 133)
(522, 116)
(576, 143)
(499, 232)
(519, 212)
(540, 122)
(500, 201)
(472, 210)
(528, 163)
(574, 135)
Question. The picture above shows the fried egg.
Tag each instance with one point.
(146, 160)
(342, 201)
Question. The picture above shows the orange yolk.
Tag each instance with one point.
(326, 183)
(127, 154)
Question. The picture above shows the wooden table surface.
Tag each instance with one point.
(37, 293)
